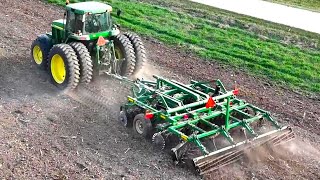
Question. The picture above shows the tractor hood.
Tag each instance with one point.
(59, 24)
(89, 7)
(95, 36)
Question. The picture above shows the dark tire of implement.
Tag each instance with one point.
(86, 67)
(139, 49)
(128, 114)
(125, 118)
(72, 68)
(146, 128)
(126, 51)
(44, 43)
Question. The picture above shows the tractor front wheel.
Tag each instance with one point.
(40, 50)
(64, 67)
(142, 126)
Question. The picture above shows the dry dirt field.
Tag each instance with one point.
(45, 134)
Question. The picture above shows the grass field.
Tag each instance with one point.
(305, 4)
(260, 48)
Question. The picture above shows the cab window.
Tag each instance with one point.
(97, 22)
(75, 22)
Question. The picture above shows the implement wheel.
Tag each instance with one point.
(86, 67)
(125, 118)
(139, 49)
(64, 67)
(142, 126)
(40, 50)
(124, 53)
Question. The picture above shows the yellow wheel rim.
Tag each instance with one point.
(58, 69)
(37, 54)
(118, 53)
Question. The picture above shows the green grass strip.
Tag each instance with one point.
(313, 5)
(284, 64)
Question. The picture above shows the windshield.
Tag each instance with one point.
(97, 22)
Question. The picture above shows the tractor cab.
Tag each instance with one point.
(88, 17)
(81, 19)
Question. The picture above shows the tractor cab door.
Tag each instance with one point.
(74, 24)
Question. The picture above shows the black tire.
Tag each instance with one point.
(71, 76)
(44, 43)
(126, 51)
(130, 113)
(125, 118)
(139, 49)
(86, 67)
(142, 126)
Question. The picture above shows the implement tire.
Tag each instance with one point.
(86, 67)
(139, 49)
(142, 126)
(124, 50)
(64, 67)
(40, 50)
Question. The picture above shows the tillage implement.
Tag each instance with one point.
(202, 123)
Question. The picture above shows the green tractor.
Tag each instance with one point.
(86, 43)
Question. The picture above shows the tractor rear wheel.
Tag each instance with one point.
(64, 67)
(86, 67)
(139, 49)
(124, 52)
(40, 50)
(142, 126)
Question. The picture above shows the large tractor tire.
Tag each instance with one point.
(142, 126)
(40, 50)
(86, 67)
(124, 51)
(139, 49)
(64, 67)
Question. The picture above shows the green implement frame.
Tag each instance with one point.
(182, 111)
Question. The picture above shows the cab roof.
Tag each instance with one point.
(89, 7)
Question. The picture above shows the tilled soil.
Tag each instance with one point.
(46, 134)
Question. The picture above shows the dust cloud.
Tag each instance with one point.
(296, 148)
(147, 72)
(302, 148)
(106, 92)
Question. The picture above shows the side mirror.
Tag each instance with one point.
(116, 26)
(119, 12)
